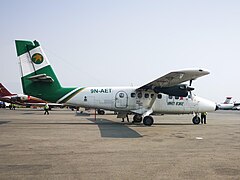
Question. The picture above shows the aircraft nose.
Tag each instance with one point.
(207, 105)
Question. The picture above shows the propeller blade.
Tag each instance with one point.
(190, 84)
(190, 88)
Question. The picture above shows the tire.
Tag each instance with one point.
(148, 121)
(101, 112)
(196, 120)
(137, 118)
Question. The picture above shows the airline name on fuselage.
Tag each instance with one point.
(175, 103)
(104, 90)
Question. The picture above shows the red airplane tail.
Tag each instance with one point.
(4, 91)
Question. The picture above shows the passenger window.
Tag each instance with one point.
(121, 95)
(170, 97)
(146, 95)
(133, 95)
(159, 96)
(139, 95)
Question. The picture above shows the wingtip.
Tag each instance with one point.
(204, 71)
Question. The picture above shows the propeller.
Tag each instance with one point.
(189, 88)
(190, 82)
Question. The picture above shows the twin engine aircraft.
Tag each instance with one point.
(164, 95)
(22, 99)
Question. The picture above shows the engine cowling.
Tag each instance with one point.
(178, 90)
(23, 97)
(20, 98)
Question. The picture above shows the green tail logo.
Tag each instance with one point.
(37, 58)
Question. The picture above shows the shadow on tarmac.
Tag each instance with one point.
(4, 122)
(114, 130)
(174, 124)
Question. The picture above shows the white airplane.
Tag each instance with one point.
(227, 105)
(165, 95)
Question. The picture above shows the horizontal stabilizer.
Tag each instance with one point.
(41, 78)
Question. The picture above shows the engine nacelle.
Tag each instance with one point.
(178, 90)
(24, 97)
(20, 98)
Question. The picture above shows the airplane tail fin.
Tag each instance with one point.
(227, 101)
(37, 76)
(4, 91)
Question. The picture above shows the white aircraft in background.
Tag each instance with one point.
(165, 95)
(227, 105)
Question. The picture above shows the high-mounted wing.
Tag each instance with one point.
(174, 78)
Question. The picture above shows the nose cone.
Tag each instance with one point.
(206, 105)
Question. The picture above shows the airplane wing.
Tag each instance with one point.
(7, 99)
(174, 78)
(43, 104)
(236, 104)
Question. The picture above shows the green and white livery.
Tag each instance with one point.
(164, 95)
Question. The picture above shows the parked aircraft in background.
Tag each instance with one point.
(227, 105)
(22, 99)
(165, 95)
(227, 100)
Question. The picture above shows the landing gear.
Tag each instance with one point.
(137, 118)
(196, 120)
(148, 120)
(101, 112)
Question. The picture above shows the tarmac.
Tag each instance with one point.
(66, 145)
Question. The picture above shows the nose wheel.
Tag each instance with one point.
(196, 120)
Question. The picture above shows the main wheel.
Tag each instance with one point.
(137, 118)
(147, 120)
(196, 120)
(101, 112)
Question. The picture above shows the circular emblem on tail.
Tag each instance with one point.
(37, 58)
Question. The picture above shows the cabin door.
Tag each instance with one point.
(121, 99)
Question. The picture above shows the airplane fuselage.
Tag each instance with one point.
(230, 106)
(128, 99)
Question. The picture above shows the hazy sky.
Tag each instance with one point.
(124, 42)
